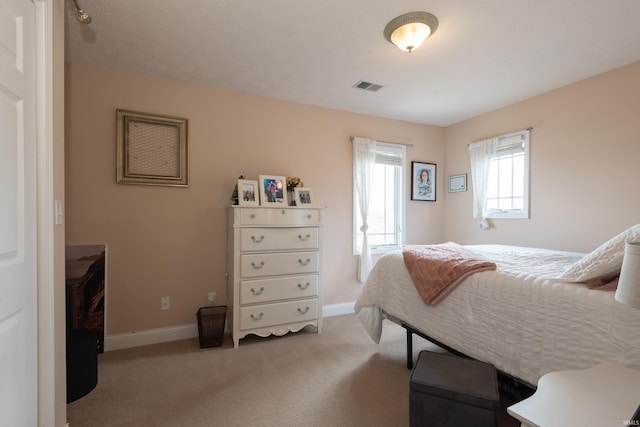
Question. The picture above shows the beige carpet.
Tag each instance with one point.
(337, 378)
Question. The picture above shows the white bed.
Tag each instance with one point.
(520, 318)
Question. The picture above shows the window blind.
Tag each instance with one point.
(389, 155)
(510, 145)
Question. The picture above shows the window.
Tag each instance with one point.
(386, 210)
(508, 181)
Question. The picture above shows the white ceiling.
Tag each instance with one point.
(485, 54)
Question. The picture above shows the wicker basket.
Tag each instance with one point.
(211, 322)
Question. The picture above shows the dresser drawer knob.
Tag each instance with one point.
(304, 238)
(257, 239)
(258, 317)
(283, 212)
(253, 216)
(303, 287)
(309, 216)
(258, 292)
(305, 311)
(257, 266)
(301, 262)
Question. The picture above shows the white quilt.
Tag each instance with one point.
(520, 318)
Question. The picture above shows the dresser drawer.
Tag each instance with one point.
(260, 316)
(268, 239)
(279, 216)
(289, 287)
(275, 264)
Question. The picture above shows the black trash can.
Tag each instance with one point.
(211, 322)
(82, 362)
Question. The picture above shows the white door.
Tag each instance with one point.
(18, 204)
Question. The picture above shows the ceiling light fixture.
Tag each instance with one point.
(408, 31)
(81, 15)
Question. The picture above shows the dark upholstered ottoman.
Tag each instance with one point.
(447, 390)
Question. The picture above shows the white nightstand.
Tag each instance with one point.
(605, 395)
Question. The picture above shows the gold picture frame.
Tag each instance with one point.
(151, 149)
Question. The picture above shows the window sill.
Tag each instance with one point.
(381, 251)
(384, 250)
(507, 216)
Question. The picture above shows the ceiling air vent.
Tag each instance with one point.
(372, 87)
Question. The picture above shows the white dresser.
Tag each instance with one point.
(274, 270)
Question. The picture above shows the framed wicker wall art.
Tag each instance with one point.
(151, 149)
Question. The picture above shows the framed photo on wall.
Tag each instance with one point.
(304, 196)
(423, 181)
(248, 193)
(273, 190)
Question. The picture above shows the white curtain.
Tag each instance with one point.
(481, 153)
(364, 159)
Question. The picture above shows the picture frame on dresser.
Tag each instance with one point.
(248, 193)
(304, 197)
(273, 190)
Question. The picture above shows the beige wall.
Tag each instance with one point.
(585, 147)
(171, 241)
(166, 241)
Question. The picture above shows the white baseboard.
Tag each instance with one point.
(338, 309)
(150, 336)
(174, 333)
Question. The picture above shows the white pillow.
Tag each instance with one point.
(605, 261)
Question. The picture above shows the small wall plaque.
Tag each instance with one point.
(457, 183)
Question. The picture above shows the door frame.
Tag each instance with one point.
(46, 324)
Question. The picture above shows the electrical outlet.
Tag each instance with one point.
(164, 303)
(211, 297)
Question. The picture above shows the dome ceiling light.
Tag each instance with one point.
(408, 31)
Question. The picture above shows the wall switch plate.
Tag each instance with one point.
(211, 297)
(164, 303)
(58, 212)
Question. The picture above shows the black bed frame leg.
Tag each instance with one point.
(409, 349)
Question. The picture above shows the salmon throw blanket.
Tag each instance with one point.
(436, 270)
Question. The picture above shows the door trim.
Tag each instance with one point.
(46, 290)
